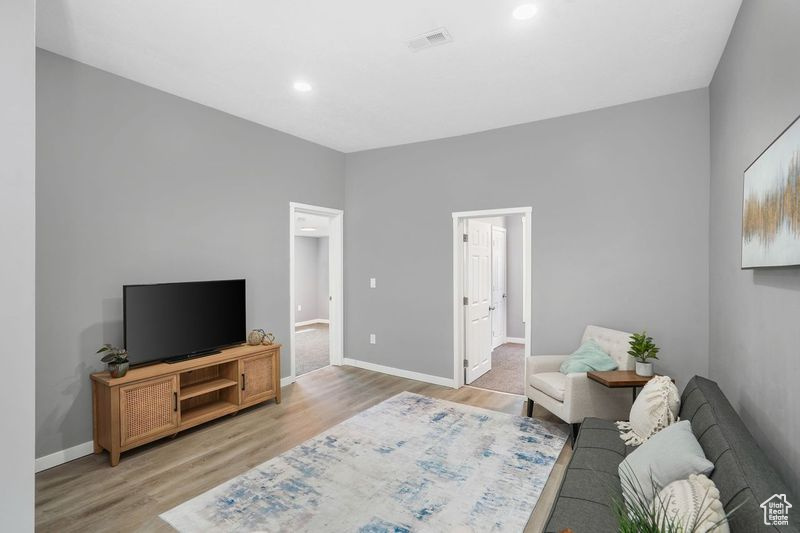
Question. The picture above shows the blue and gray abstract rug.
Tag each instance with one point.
(411, 463)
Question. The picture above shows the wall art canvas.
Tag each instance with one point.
(771, 208)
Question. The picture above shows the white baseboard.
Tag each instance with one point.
(64, 456)
(313, 321)
(503, 340)
(517, 340)
(427, 378)
(87, 448)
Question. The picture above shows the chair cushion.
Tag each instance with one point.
(590, 356)
(550, 383)
(615, 343)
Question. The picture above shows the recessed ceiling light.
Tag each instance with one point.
(525, 12)
(302, 86)
(308, 228)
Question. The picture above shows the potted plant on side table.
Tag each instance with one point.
(643, 349)
(116, 359)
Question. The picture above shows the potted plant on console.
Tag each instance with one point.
(643, 349)
(116, 359)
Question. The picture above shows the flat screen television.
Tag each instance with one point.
(174, 321)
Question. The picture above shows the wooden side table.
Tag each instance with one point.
(615, 379)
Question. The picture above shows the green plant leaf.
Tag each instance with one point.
(642, 347)
(113, 354)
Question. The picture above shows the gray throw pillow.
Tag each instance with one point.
(671, 454)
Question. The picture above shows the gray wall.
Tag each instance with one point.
(138, 186)
(755, 314)
(311, 277)
(17, 179)
(323, 303)
(305, 278)
(514, 281)
(620, 232)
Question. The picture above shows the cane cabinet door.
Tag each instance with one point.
(148, 408)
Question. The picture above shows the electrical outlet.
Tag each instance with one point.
(299, 307)
(372, 283)
(372, 338)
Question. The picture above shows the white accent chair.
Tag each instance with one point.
(573, 397)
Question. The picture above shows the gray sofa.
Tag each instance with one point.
(741, 471)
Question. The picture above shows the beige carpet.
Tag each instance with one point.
(312, 350)
(508, 369)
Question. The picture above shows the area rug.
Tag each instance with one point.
(410, 463)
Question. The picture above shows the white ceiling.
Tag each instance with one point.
(369, 89)
(321, 225)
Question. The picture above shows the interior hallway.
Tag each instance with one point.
(312, 350)
(508, 370)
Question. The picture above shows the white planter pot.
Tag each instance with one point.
(644, 369)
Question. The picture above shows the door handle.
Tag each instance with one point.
(491, 308)
(243, 382)
(175, 401)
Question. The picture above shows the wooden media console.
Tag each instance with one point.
(156, 401)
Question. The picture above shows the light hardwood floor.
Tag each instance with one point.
(88, 495)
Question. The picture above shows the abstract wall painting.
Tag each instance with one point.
(771, 204)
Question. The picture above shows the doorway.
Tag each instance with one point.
(499, 285)
(491, 284)
(315, 266)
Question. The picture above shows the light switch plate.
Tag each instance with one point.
(372, 338)
(372, 283)
(299, 307)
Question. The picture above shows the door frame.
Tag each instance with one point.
(504, 231)
(459, 251)
(335, 282)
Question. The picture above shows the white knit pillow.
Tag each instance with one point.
(655, 408)
(693, 502)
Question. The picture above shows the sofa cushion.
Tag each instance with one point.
(654, 409)
(671, 454)
(597, 433)
(550, 383)
(693, 504)
(580, 516)
(585, 501)
(742, 473)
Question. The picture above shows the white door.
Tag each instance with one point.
(498, 307)
(479, 297)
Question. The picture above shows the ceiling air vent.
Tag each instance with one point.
(430, 39)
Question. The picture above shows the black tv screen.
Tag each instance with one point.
(178, 320)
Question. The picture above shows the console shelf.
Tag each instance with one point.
(160, 400)
(207, 411)
(198, 389)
